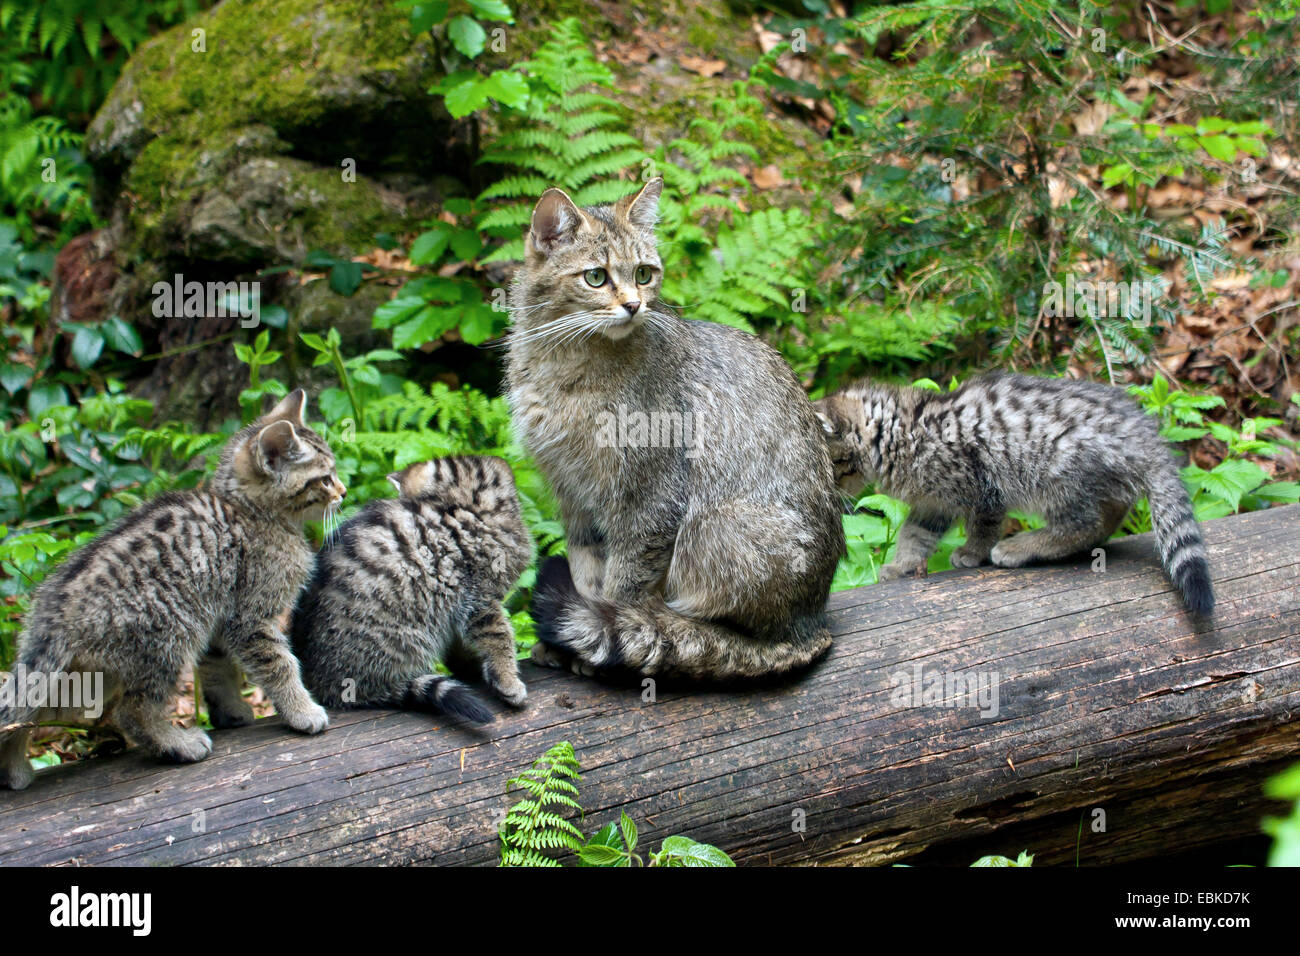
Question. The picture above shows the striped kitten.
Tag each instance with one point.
(407, 580)
(1078, 453)
(189, 578)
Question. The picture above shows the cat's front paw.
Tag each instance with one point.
(309, 720)
(511, 690)
(968, 558)
(189, 746)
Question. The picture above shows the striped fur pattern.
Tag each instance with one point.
(706, 552)
(411, 580)
(1079, 454)
(189, 578)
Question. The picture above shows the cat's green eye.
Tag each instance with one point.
(595, 277)
(644, 274)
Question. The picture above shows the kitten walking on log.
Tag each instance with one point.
(697, 495)
(189, 578)
(1078, 453)
(406, 580)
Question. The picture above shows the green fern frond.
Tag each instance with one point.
(528, 827)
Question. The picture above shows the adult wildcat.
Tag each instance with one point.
(188, 578)
(1078, 453)
(702, 539)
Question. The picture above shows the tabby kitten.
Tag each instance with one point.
(189, 575)
(408, 579)
(704, 545)
(1078, 453)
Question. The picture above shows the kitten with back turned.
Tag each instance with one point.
(1078, 453)
(408, 579)
(189, 578)
(709, 558)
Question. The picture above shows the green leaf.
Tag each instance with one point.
(429, 246)
(121, 336)
(1285, 785)
(508, 88)
(424, 16)
(396, 310)
(345, 277)
(1220, 147)
(493, 9)
(430, 323)
(1282, 492)
(14, 376)
(467, 36)
(464, 97)
(314, 341)
(683, 851)
(466, 244)
(628, 829)
(87, 344)
(479, 325)
(276, 316)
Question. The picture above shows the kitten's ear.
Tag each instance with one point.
(642, 210)
(277, 444)
(828, 415)
(395, 479)
(556, 220)
(290, 409)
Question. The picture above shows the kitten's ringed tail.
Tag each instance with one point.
(1179, 540)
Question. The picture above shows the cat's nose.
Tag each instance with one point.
(343, 491)
(632, 307)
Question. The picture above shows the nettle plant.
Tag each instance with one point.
(536, 826)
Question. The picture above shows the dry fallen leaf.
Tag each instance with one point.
(698, 64)
(768, 177)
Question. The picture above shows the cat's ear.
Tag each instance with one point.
(556, 220)
(291, 409)
(276, 445)
(642, 210)
(395, 479)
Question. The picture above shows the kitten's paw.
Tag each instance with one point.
(225, 716)
(17, 776)
(892, 572)
(968, 558)
(1007, 555)
(189, 746)
(547, 656)
(512, 691)
(309, 720)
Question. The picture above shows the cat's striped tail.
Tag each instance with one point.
(654, 639)
(436, 694)
(1178, 538)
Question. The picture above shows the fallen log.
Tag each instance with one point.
(1118, 732)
